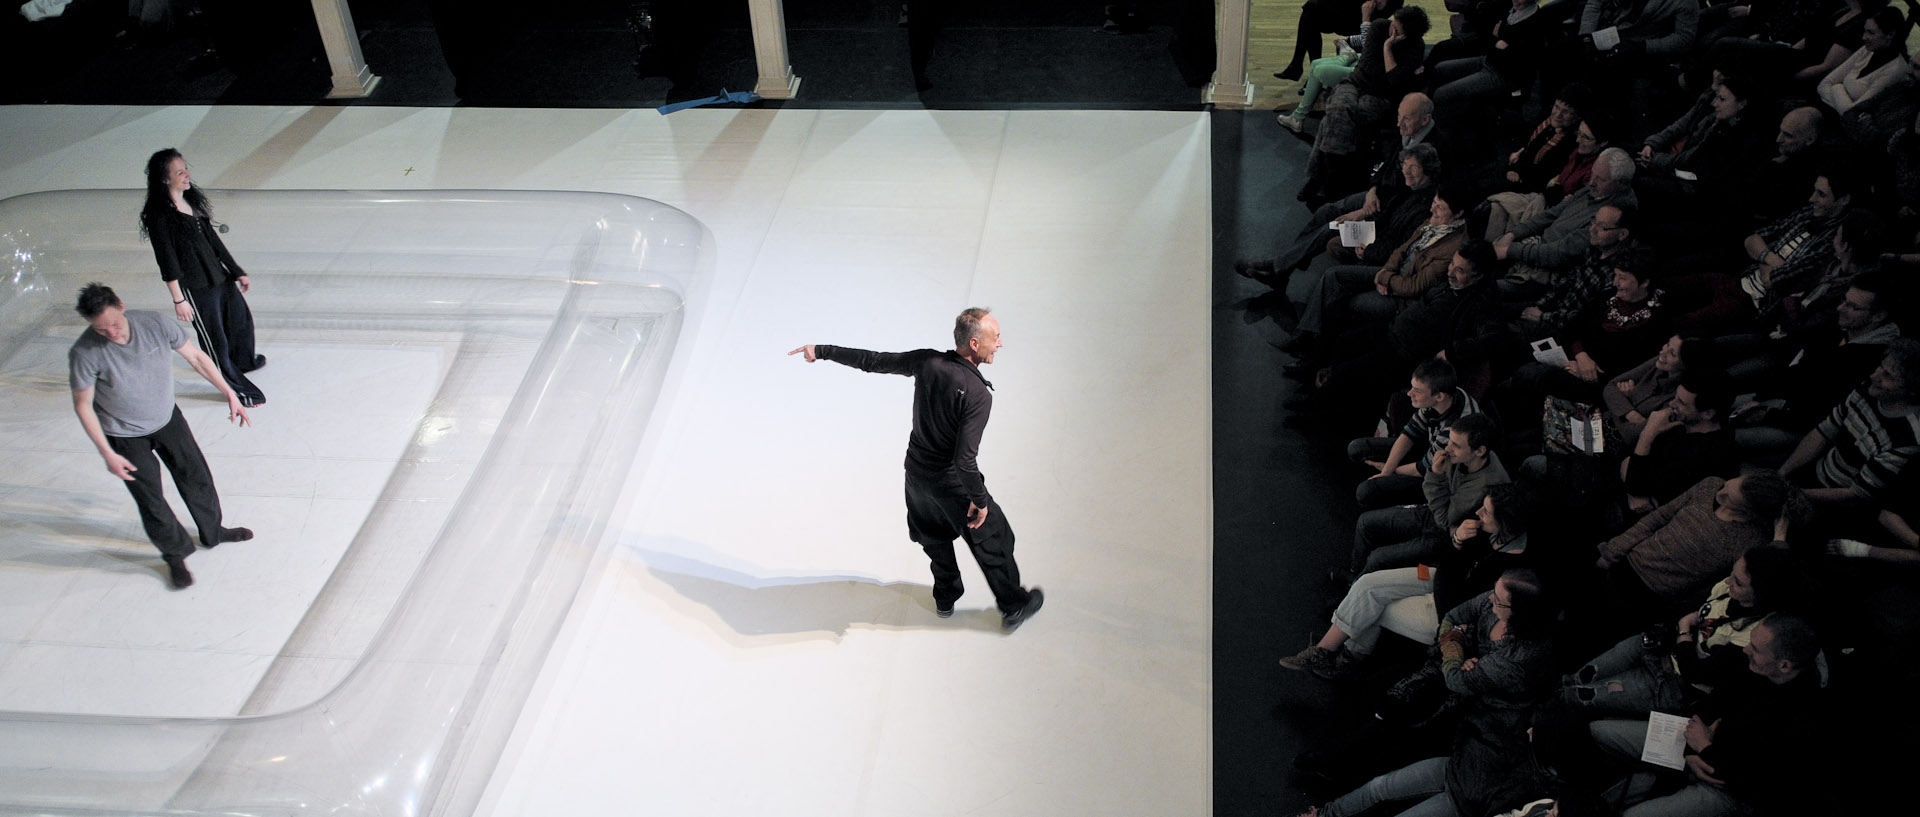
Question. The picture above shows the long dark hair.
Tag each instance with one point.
(159, 201)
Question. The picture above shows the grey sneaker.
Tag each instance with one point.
(1308, 660)
(1344, 666)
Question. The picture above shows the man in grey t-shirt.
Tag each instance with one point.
(122, 380)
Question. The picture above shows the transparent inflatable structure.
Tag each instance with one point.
(562, 311)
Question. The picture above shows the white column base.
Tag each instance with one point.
(355, 86)
(778, 88)
(1229, 96)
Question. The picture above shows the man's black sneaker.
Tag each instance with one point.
(1012, 621)
(943, 610)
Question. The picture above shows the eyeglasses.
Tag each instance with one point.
(1584, 137)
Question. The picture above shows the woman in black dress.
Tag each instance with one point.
(203, 280)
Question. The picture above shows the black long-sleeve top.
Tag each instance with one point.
(188, 250)
(1766, 736)
(951, 405)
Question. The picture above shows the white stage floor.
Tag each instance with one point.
(756, 635)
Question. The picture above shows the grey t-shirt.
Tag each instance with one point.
(132, 383)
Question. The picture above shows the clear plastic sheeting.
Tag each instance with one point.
(577, 298)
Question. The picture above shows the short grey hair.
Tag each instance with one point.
(967, 326)
(1618, 162)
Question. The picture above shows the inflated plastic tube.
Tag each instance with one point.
(596, 284)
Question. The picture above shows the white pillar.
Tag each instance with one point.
(770, 50)
(1230, 88)
(351, 76)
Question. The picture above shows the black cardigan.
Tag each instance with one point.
(188, 250)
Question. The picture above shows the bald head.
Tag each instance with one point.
(1799, 129)
(1416, 112)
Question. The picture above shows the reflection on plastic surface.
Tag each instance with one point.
(416, 726)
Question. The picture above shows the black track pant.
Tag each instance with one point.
(223, 325)
(174, 445)
(936, 515)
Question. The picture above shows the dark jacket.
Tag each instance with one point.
(1764, 744)
(951, 405)
(1462, 322)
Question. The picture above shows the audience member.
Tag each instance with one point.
(1455, 487)
(1681, 444)
(1553, 241)
(1751, 742)
(1682, 546)
(1374, 294)
(1854, 455)
(1402, 460)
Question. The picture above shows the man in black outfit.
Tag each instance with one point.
(946, 493)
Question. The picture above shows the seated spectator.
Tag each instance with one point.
(1455, 485)
(1681, 444)
(1707, 171)
(1635, 393)
(1399, 201)
(1465, 89)
(1374, 294)
(1484, 546)
(1471, 24)
(1525, 198)
(1596, 132)
(1696, 119)
(1821, 368)
(1550, 243)
(1456, 323)
(1789, 255)
(1610, 337)
(1590, 283)
(1779, 186)
(1403, 460)
(1678, 550)
(1652, 35)
(1388, 69)
(1851, 457)
(1811, 315)
(1672, 672)
(1650, 32)
(1552, 141)
(1805, 42)
(1874, 120)
(1495, 660)
(1750, 742)
(1319, 17)
(1880, 62)
(1327, 72)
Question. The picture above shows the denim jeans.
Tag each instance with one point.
(1426, 780)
